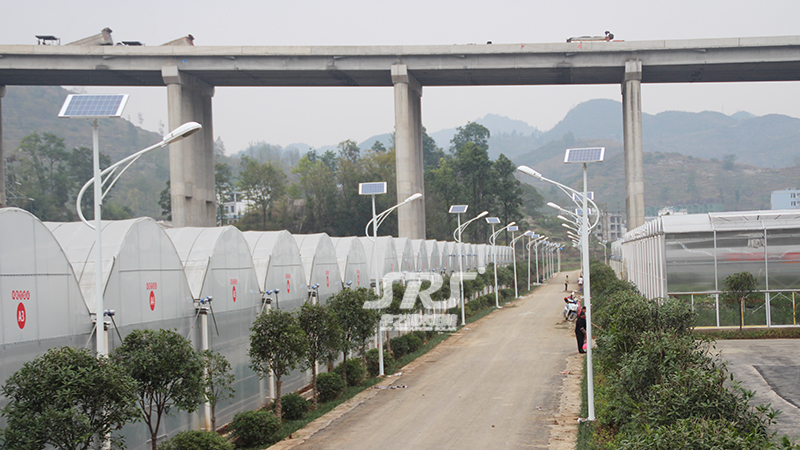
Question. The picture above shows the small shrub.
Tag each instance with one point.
(294, 407)
(254, 428)
(422, 335)
(196, 440)
(355, 371)
(372, 362)
(414, 342)
(329, 385)
(399, 347)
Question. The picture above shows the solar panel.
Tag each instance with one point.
(91, 106)
(458, 209)
(378, 187)
(513, 228)
(579, 211)
(492, 220)
(579, 196)
(582, 155)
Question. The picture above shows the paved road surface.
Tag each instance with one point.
(494, 385)
(771, 367)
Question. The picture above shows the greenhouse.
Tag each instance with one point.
(406, 262)
(434, 255)
(421, 255)
(690, 256)
(42, 303)
(385, 255)
(279, 268)
(353, 264)
(219, 267)
(444, 256)
(320, 264)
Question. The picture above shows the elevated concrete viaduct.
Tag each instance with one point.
(191, 74)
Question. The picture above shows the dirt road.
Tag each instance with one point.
(494, 384)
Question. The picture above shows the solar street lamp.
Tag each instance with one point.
(492, 238)
(94, 107)
(458, 210)
(373, 189)
(581, 156)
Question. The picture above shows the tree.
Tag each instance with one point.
(277, 343)
(323, 335)
(217, 381)
(68, 399)
(507, 189)
(165, 202)
(43, 172)
(263, 184)
(738, 288)
(356, 322)
(168, 370)
(471, 132)
(318, 183)
(223, 179)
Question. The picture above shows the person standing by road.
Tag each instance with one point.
(580, 330)
(580, 284)
(566, 283)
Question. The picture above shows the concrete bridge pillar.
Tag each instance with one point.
(191, 160)
(632, 131)
(2, 156)
(408, 147)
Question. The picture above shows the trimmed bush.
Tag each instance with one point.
(330, 386)
(413, 341)
(355, 371)
(254, 428)
(293, 407)
(196, 440)
(399, 347)
(372, 362)
(422, 335)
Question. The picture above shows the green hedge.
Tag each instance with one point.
(658, 386)
(330, 386)
(196, 440)
(254, 428)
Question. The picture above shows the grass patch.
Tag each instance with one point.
(749, 333)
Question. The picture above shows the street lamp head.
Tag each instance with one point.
(511, 224)
(482, 214)
(528, 171)
(413, 197)
(553, 205)
(181, 132)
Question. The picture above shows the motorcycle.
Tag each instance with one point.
(571, 308)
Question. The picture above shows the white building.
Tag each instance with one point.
(788, 198)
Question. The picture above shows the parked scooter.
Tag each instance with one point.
(571, 308)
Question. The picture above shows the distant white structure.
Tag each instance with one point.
(235, 207)
(788, 198)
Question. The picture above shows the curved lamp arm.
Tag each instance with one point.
(379, 218)
(494, 235)
(463, 226)
(175, 135)
(566, 189)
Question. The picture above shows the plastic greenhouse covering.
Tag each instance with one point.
(320, 264)
(353, 263)
(434, 255)
(405, 255)
(421, 255)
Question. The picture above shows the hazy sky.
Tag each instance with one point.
(326, 116)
